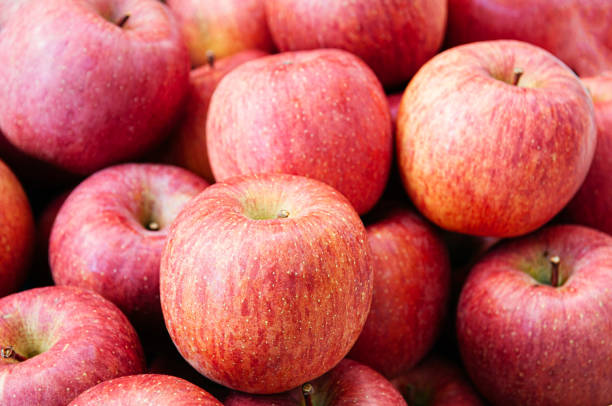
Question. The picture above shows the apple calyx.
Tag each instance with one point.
(282, 214)
(307, 391)
(9, 353)
(123, 20)
(210, 58)
(554, 276)
(517, 73)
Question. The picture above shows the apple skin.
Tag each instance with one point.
(411, 288)
(524, 342)
(349, 383)
(265, 305)
(187, 146)
(81, 339)
(16, 232)
(592, 204)
(394, 101)
(320, 114)
(578, 32)
(481, 156)
(394, 37)
(436, 382)
(100, 241)
(223, 27)
(82, 92)
(145, 389)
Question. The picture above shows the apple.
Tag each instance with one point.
(146, 389)
(592, 204)
(578, 32)
(349, 383)
(187, 146)
(16, 232)
(222, 27)
(436, 382)
(320, 114)
(266, 281)
(89, 83)
(494, 138)
(109, 234)
(394, 101)
(57, 341)
(394, 37)
(411, 288)
(534, 316)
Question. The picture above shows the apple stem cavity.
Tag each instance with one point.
(10, 353)
(282, 214)
(210, 58)
(153, 226)
(518, 72)
(554, 277)
(123, 20)
(307, 391)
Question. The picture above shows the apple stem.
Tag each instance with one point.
(10, 353)
(153, 226)
(210, 58)
(307, 391)
(518, 72)
(123, 20)
(554, 276)
(282, 214)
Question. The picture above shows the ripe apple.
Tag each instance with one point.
(222, 27)
(394, 37)
(57, 341)
(494, 138)
(187, 146)
(320, 114)
(411, 287)
(592, 205)
(16, 232)
(436, 382)
(266, 281)
(146, 389)
(109, 234)
(534, 318)
(88, 83)
(579, 32)
(349, 383)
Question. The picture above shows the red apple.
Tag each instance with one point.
(349, 383)
(320, 114)
(494, 138)
(394, 101)
(187, 146)
(436, 382)
(109, 234)
(57, 342)
(411, 287)
(592, 204)
(534, 318)
(223, 27)
(16, 232)
(394, 37)
(266, 281)
(146, 389)
(577, 31)
(89, 83)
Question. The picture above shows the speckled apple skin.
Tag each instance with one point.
(99, 240)
(82, 93)
(349, 383)
(394, 37)
(578, 32)
(481, 156)
(85, 339)
(320, 114)
(526, 343)
(223, 27)
(592, 205)
(411, 289)
(443, 383)
(16, 232)
(264, 305)
(186, 147)
(146, 390)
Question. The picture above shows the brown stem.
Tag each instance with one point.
(554, 276)
(282, 214)
(123, 20)
(307, 391)
(153, 226)
(210, 58)
(518, 72)
(10, 353)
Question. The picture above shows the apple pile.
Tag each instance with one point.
(306, 202)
